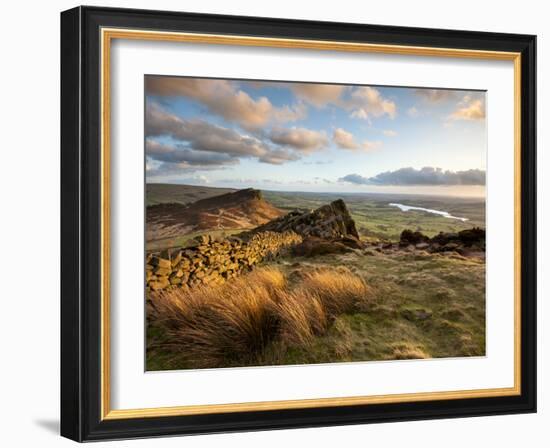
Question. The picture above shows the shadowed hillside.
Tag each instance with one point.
(243, 209)
(181, 194)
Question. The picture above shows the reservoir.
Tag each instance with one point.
(406, 208)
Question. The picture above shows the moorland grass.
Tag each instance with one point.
(233, 324)
(332, 308)
(422, 306)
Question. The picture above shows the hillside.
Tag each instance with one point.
(242, 209)
(181, 194)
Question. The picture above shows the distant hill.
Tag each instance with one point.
(181, 194)
(241, 209)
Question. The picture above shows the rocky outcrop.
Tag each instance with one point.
(466, 240)
(313, 246)
(327, 222)
(410, 237)
(211, 261)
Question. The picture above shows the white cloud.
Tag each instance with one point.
(360, 113)
(424, 176)
(223, 98)
(345, 140)
(278, 156)
(318, 94)
(389, 133)
(186, 156)
(366, 102)
(413, 112)
(301, 139)
(201, 135)
(202, 143)
(469, 108)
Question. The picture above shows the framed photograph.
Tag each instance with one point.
(273, 223)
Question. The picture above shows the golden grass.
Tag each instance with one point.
(408, 351)
(232, 324)
(301, 317)
(209, 325)
(339, 291)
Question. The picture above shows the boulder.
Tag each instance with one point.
(472, 236)
(160, 262)
(352, 242)
(443, 238)
(409, 237)
(449, 247)
(162, 271)
(176, 258)
(314, 246)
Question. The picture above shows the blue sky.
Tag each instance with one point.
(314, 137)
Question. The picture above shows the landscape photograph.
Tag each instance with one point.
(293, 223)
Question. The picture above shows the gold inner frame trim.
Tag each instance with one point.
(107, 35)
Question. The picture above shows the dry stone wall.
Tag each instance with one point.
(213, 261)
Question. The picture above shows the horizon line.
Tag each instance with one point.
(481, 197)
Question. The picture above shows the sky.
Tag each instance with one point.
(292, 136)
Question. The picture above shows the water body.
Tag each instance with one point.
(406, 208)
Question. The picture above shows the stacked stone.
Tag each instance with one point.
(211, 261)
(329, 221)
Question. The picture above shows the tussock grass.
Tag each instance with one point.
(339, 291)
(302, 316)
(213, 325)
(234, 323)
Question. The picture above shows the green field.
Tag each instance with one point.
(376, 219)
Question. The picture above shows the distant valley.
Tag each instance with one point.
(176, 213)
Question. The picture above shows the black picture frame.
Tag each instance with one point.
(81, 224)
